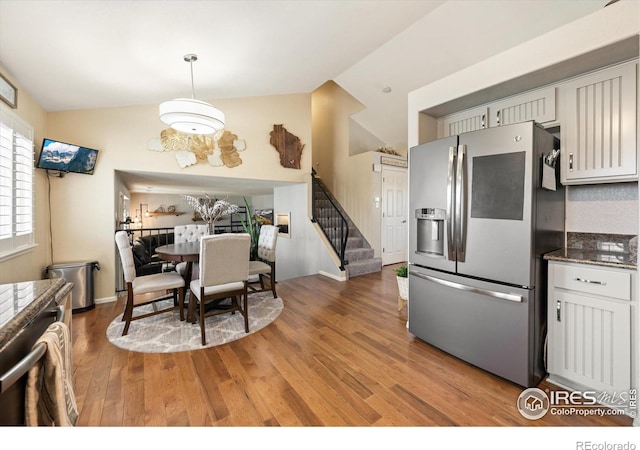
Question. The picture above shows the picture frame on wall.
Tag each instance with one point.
(8, 92)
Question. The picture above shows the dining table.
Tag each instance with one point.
(187, 252)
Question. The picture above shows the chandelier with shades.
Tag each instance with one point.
(190, 115)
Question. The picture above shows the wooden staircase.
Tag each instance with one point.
(358, 258)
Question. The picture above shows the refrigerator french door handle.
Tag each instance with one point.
(463, 287)
(451, 223)
(460, 221)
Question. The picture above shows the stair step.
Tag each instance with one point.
(354, 242)
(364, 267)
(358, 254)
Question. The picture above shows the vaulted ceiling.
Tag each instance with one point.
(89, 54)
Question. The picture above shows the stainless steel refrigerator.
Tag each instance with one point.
(480, 224)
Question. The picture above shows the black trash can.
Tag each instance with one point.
(81, 275)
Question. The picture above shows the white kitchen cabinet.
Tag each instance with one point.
(589, 326)
(463, 122)
(598, 126)
(538, 105)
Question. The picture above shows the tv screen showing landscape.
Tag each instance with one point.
(64, 157)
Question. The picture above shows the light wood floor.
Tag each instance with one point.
(338, 355)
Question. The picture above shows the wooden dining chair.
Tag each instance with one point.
(146, 289)
(189, 233)
(224, 273)
(265, 267)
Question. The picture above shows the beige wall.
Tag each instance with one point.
(347, 177)
(83, 217)
(31, 265)
(344, 155)
(332, 108)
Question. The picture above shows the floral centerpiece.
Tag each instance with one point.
(210, 209)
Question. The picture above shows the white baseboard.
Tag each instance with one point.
(332, 276)
(106, 300)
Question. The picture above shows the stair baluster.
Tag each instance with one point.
(331, 221)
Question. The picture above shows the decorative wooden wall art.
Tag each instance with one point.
(288, 146)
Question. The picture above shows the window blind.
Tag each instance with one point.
(16, 184)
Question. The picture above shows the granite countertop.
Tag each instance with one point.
(600, 258)
(611, 250)
(21, 302)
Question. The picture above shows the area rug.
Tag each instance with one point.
(165, 333)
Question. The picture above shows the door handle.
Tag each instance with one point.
(451, 228)
(571, 162)
(558, 314)
(461, 221)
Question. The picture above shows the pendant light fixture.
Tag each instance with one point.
(190, 115)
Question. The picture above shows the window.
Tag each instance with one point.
(16, 184)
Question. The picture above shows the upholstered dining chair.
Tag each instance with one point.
(224, 273)
(146, 289)
(265, 267)
(189, 233)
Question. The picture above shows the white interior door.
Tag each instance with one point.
(394, 215)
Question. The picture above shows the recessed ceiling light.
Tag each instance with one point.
(386, 89)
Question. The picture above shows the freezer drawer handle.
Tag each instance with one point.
(501, 295)
(582, 280)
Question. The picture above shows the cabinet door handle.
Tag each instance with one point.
(482, 122)
(558, 306)
(498, 117)
(582, 280)
(571, 162)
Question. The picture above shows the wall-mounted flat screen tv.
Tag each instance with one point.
(64, 157)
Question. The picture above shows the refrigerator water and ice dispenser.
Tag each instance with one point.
(430, 229)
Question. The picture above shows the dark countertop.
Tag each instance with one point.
(595, 257)
(21, 302)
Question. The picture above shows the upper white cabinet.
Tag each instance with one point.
(463, 122)
(538, 105)
(597, 113)
(598, 126)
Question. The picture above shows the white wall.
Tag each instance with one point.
(304, 252)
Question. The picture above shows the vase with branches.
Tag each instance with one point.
(210, 209)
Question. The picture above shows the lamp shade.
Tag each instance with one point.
(191, 116)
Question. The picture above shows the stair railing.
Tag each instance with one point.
(331, 221)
